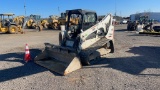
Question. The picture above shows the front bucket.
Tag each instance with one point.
(60, 60)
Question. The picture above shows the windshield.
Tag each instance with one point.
(36, 17)
(75, 19)
(4, 18)
(90, 17)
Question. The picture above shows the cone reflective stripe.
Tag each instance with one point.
(27, 54)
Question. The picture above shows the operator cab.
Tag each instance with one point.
(6, 19)
(79, 20)
(35, 17)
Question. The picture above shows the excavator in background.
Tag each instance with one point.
(9, 25)
(80, 43)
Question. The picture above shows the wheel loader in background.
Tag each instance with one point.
(8, 25)
(33, 22)
(80, 44)
(53, 22)
(44, 23)
(19, 20)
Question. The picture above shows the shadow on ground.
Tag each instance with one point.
(121, 30)
(26, 69)
(136, 34)
(148, 57)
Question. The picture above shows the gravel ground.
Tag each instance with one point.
(135, 65)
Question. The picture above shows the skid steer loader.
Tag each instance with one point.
(79, 44)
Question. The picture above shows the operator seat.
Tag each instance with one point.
(7, 22)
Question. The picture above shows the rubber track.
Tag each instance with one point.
(86, 52)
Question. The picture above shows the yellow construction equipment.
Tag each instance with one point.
(8, 25)
(80, 44)
(146, 26)
(33, 22)
(62, 20)
(53, 22)
(19, 20)
(44, 23)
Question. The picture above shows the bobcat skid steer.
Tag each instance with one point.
(80, 43)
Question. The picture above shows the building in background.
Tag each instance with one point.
(151, 15)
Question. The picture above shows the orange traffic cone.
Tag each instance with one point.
(27, 56)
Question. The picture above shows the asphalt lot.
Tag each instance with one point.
(135, 65)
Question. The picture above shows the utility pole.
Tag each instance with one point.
(58, 10)
(25, 7)
(115, 7)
